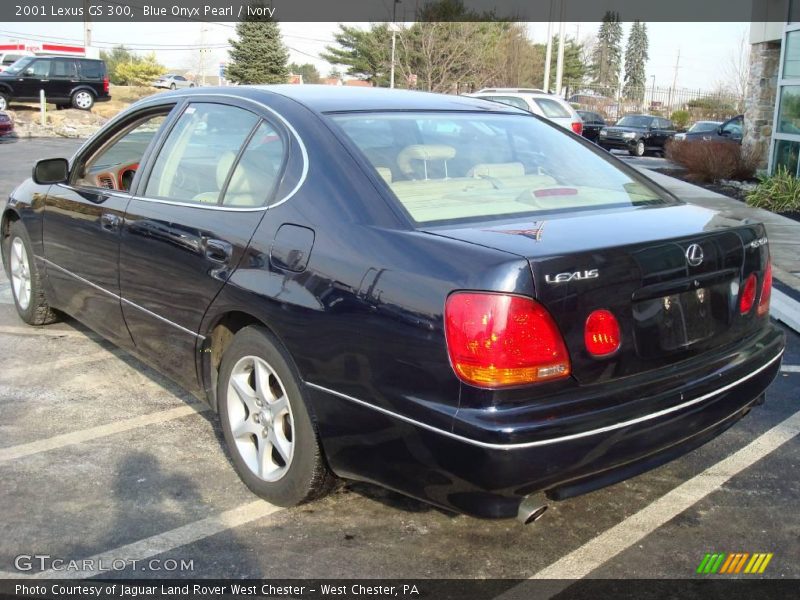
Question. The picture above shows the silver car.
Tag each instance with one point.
(173, 82)
(549, 106)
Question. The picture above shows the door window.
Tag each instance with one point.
(552, 109)
(511, 101)
(256, 174)
(39, 69)
(195, 161)
(63, 68)
(115, 164)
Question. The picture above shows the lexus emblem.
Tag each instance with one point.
(694, 255)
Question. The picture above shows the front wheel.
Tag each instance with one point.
(638, 149)
(267, 426)
(26, 280)
(3, 102)
(172, 87)
(83, 100)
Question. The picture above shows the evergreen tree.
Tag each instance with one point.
(607, 55)
(635, 62)
(258, 55)
(574, 69)
(366, 53)
(308, 71)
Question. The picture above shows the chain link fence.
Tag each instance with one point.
(614, 102)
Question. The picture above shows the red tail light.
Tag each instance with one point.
(747, 296)
(497, 340)
(601, 334)
(766, 292)
(577, 127)
(105, 84)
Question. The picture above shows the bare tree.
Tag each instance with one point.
(737, 72)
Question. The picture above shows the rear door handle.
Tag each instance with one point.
(218, 251)
(110, 221)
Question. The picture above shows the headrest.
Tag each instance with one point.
(512, 169)
(423, 152)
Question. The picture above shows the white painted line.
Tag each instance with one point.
(790, 368)
(593, 554)
(43, 331)
(785, 309)
(169, 540)
(92, 433)
(58, 364)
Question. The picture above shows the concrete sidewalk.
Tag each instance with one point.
(784, 239)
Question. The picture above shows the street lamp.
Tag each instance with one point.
(393, 28)
(653, 92)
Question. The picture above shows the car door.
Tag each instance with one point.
(201, 199)
(82, 218)
(63, 77)
(34, 77)
(731, 130)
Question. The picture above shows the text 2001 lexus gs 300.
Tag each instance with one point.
(445, 296)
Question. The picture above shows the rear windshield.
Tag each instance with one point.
(552, 109)
(452, 167)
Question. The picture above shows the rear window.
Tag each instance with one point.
(453, 167)
(552, 109)
(92, 69)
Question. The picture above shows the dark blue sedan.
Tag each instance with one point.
(445, 296)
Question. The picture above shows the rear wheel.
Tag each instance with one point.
(82, 100)
(172, 87)
(266, 422)
(26, 280)
(3, 101)
(638, 149)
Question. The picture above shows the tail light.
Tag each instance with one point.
(601, 334)
(766, 292)
(577, 127)
(497, 340)
(105, 84)
(747, 297)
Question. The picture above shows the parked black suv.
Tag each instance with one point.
(593, 123)
(65, 80)
(637, 134)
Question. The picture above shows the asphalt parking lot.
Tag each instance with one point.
(101, 457)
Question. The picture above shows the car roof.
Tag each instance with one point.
(327, 98)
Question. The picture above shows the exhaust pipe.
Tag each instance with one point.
(530, 509)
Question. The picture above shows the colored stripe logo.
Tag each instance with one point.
(734, 563)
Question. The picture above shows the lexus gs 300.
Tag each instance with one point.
(445, 296)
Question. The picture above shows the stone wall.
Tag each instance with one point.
(760, 101)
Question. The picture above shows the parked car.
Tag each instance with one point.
(65, 80)
(172, 82)
(699, 130)
(548, 106)
(728, 131)
(592, 124)
(445, 296)
(637, 134)
(6, 124)
(9, 58)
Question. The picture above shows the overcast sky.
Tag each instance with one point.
(705, 48)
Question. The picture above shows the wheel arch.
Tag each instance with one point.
(83, 88)
(9, 216)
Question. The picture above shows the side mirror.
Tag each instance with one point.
(29, 71)
(50, 171)
(721, 131)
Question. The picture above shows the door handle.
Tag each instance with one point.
(110, 221)
(218, 251)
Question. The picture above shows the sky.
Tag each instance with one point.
(705, 48)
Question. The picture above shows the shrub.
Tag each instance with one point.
(779, 192)
(708, 161)
(680, 118)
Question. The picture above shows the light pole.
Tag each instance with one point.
(394, 40)
(653, 92)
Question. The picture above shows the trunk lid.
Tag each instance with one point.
(671, 276)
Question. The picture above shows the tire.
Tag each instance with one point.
(3, 101)
(286, 477)
(83, 100)
(638, 150)
(26, 279)
(172, 87)
(191, 85)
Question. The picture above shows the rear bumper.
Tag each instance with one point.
(491, 459)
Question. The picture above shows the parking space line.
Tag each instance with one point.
(602, 548)
(43, 331)
(169, 540)
(61, 363)
(790, 368)
(92, 433)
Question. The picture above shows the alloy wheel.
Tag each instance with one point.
(20, 273)
(3, 102)
(260, 418)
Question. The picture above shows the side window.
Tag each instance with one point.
(92, 69)
(666, 124)
(551, 108)
(180, 78)
(63, 68)
(114, 165)
(512, 101)
(194, 163)
(256, 174)
(733, 127)
(39, 69)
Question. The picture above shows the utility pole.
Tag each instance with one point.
(394, 41)
(203, 51)
(560, 59)
(548, 56)
(674, 80)
(87, 27)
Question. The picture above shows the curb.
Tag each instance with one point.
(785, 309)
